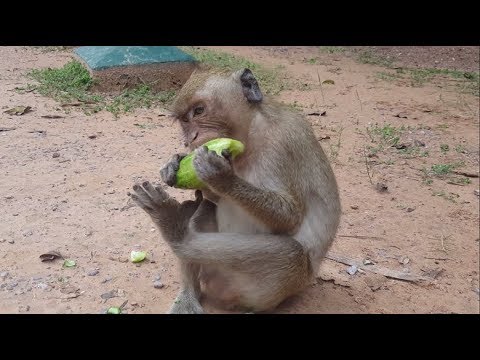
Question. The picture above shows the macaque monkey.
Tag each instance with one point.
(258, 231)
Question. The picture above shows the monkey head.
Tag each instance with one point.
(217, 104)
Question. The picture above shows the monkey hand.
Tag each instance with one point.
(212, 169)
(167, 213)
(169, 172)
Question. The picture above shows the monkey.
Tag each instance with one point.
(256, 234)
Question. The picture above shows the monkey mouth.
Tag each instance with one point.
(187, 144)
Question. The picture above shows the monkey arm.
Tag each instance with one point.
(282, 212)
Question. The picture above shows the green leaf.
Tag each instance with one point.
(137, 256)
(114, 310)
(331, 82)
(69, 263)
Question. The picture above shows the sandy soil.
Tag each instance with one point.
(65, 188)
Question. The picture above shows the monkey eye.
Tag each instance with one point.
(198, 110)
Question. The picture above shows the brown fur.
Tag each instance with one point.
(276, 207)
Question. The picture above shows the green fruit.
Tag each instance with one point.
(186, 175)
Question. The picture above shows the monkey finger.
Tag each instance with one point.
(143, 196)
(169, 175)
(198, 196)
(227, 155)
(140, 203)
(158, 195)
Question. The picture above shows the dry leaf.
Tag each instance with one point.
(19, 110)
(50, 256)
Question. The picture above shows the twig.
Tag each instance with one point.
(361, 237)
(398, 275)
(454, 183)
(434, 258)
(366, 165)
(321, 88)
(467, 174)
(443, 244)
(360, 101)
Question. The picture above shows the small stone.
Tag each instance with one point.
(9, 197)
(92, 136)
(81, 185)
(476, 192)
(152, 230)
(381, 187)
(42, 286)
(11, 241)
(27, 233)
(352, 270)
(23, 308)
(409, 209)
(354, 207)
(404, 260)
(367, 262)
(11, 286)
(158, 285)
(55, 155)
(157, 278)
(92, 272)
(4, 275)
(106, 280)
(418, 143)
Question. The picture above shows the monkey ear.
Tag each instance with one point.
(250, 87)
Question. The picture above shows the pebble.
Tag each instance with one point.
(11, 286)
(42, 286)
(4, 275)
(158, 285)
(11, 241)
(352, 270)
(92, 272)
(55, 155)
(23, 308)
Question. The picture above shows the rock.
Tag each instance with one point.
(404, 260)
(92, 136)
(476, 192)
(157, 278)
(4, 275)
(410, 209)
(12, 285)
(11, 241)
(354, 207)
(55, 155)
(107, 279)
(418, 143)
(375, 281)
(158, 285)
(42, 286)
(109, 295)
(381, 187)
(352, 270)
(23, 308)
(368, 262)
(92, 272)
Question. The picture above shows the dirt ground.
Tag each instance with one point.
(65, 188)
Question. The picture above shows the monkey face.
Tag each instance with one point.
(213, 105)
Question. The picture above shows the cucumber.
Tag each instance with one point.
(186, 175)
